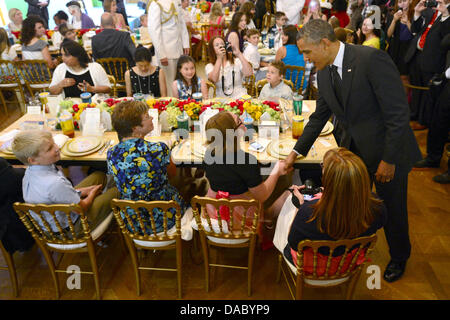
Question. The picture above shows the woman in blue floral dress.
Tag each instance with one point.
(140, 168)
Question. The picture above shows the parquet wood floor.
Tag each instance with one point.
(426, 276)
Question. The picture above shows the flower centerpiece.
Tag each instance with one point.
(204, 6)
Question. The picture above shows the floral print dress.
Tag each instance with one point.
(139, 168)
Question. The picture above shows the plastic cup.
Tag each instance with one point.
(183, 122)
(43, 97)
(298, 104)
(197, 96)
(67, 126)
(138, 97)
(297, 126)
(86, 97)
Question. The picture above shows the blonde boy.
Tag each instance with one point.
(44, 183)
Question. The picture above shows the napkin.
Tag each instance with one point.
(9, 135)
(60, 139)
(90, 120)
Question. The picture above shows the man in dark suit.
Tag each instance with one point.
(111, 43)
(370, 104)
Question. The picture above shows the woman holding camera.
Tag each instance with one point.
(314, 12)
(346, 209)
(399, 35)
(227, 68)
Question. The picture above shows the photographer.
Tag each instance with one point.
(425, 56)
(227, 68)
(346, 209)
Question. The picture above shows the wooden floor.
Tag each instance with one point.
(427, 275)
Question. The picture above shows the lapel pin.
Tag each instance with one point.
(349, 70)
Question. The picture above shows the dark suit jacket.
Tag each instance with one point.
(376, 112)
(34, 8)
(111, 43)
(433, 55)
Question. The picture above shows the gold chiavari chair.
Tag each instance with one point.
(117, 68)
(36, 74)
(76, 238)
(10, 81)
(212, 86)
(249, 84)
(319, 271)
(10, 267)
(139, 230)
(238, 230)
(268, 21)
(297, 75)
(261, 83)
(209, 31)
(113, 82)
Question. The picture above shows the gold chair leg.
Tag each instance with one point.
(93, 260)
(11, 269)
(205, 259)
(251, 259)
(2, 98)
(51, 266)
(280, 259)
(179, 266)
(135, 261)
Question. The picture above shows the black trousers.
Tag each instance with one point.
(420, 99)
(394, 195)
(440, 125)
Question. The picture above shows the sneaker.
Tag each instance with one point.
(442, 178)
(425, 164)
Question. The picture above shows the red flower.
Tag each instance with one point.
(75, 108)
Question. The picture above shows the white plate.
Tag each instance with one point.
(83, 144)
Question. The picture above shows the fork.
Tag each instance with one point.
(107, 145)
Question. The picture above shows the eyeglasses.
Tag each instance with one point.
(238, 124)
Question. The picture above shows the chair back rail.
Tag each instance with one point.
(115, 67)
(238, 228)
(297, 76)
(125, 221)
(362, 245)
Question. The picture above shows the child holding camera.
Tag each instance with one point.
(227, 69)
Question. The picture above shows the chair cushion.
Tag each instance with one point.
(186, 232)
(215, 226)
(95, 234)
(334, 282)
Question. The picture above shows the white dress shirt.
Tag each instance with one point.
(339, 60)
(292, 9)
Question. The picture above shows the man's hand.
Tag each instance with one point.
(164, 62)
(186, 51)
(290, 160)
(385, 172)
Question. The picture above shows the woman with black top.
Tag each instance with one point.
(231, 172)
(76, 74)
(144, 77)
(346, 209)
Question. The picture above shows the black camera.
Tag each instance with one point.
(431, 4)
(310, 189)
(228, 47)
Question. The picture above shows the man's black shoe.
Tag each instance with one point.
(442, 178)
(394, 270)
(425, 163)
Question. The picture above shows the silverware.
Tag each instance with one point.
(106, 146)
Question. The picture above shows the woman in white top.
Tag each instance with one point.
(77, 74)
(16, 17)
(33, 48)
(226, 71)
(6, 50)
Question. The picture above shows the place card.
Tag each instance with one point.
(37, 110)
(91, 122)
(269, 130)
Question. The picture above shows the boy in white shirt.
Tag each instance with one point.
(280, 21)
(252, 55)
(276, 86)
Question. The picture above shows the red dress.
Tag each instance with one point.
(344, 20)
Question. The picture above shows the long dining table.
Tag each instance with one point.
(182, 153)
